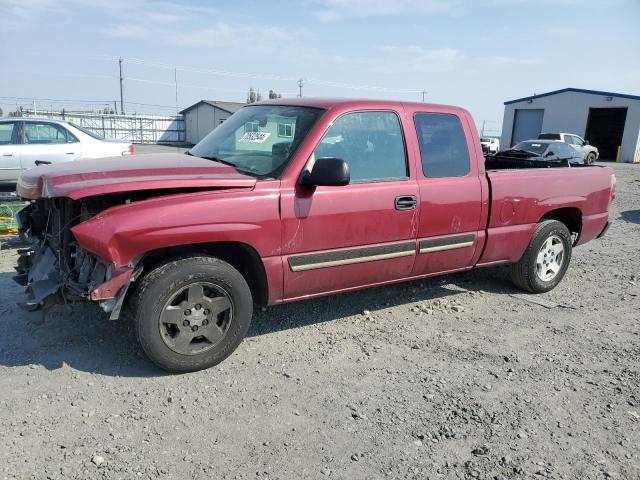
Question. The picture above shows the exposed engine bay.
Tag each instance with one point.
(54, 268)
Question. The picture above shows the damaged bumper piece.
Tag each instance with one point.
(55, 269)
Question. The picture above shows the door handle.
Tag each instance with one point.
(41, 162)
(70, 153)
(7, 154)
(406, 202)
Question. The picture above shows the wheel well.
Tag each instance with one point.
(241, 256)
(570, 216)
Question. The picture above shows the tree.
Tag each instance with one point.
(251, 96)
(273, 95)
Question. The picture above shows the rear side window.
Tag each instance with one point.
(443, 147)
(45, 133)
(8, 134)
(370, 142)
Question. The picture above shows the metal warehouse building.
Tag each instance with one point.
(609, 121)
(202, 117)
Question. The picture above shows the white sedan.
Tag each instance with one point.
(28, 142)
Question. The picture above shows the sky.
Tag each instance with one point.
(474, 54)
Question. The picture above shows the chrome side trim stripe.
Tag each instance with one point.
(447, 243)
(312, 261)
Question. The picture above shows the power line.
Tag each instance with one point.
(172, 84)
(100, 103)
(269, 76)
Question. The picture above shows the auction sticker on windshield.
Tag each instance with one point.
(254, 137)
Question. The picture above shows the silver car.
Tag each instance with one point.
(28, 142)
(589, 153)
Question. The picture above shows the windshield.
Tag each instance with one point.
(533, 147)
(87, 131)
(259, 140)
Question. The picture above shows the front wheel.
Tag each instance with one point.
(591, 158)
(546, 259)
(191, 313)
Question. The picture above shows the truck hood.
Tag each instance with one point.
(86, 178)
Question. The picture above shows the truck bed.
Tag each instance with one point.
(521, 196)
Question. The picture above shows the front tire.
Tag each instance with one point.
(591, 158)
(546, 259)
(191, 313)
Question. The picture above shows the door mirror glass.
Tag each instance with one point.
(327, 171)
(549, 154)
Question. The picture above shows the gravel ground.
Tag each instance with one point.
(452, 377)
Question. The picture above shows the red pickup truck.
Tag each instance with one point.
(292, 199)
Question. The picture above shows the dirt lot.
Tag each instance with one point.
(448, 378)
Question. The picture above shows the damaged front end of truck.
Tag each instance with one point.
(54, 268)
(81, 243)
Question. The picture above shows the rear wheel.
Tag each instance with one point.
(546, 259)
(591, 158)
(191, 313)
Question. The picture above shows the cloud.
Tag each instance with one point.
(418, 58)
(162, 17)
(331, 10)
(126, 31)
(238, 37)
(421, 59)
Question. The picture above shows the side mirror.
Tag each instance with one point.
(586, 142)
(549, 154)
(328, 171)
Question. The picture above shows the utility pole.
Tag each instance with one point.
(115, 107)
(35, 113)
(300, 85)
(175, 78)
(482, 132)
(121, 97)
(424, 93)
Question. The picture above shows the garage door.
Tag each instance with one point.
(527, 125)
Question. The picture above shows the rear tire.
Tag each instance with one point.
(191, 313)
(546, 259)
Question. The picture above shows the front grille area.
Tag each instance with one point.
(54, 269)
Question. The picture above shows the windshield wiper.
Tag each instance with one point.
(227, 162)
(219, 160)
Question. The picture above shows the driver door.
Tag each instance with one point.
(364, 233)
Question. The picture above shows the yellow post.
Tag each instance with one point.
(618, 154)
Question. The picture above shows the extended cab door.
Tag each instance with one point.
(336, 238)
(46, 142)
(9, 151)
(453, 193)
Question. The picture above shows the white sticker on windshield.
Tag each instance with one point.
(255, 137)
